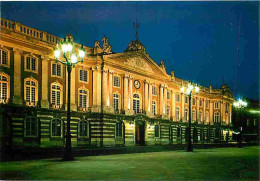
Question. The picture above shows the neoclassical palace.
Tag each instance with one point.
(117, 99)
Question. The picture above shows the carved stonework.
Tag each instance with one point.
(138, 62)
(106, 46)
(162, 66)
(134, 46)
(97, 44)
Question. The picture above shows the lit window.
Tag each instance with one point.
(56, 69)
(200, 102)
(31, 92)
(154, 91)
(156, 131)
(116, 102)
(168, 111)
(186, 99)
(153, 108)
(83, 128)
(119, 129)
(56, 127)
(193, 101)
(83, 94)
(31, 126)
(177, 114)
(30, 63)
(116, 81)
(56, 95)
(207, 104)
(227, 107)
(216, 117)
(177, 98)
(136, 103)
(83, 75)
(186, 114)
(4, 88)
(168, 95)
(193, 115)
(216, 105)
(3, 57)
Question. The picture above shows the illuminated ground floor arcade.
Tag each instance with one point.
(23, 126)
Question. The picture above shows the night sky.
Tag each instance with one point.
(195, 39)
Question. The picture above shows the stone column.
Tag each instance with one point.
(17, 97)
(96, 89)
(126, 96)
(110, 88)
(204, 110)
(161, 100)
(73, 105)
(105, 96)
(211, 118)
(131, 93)
(165, 101)
(44, 100)
(146, 96)
(198, 109)
(173, 106)
(150, 98)
(230, 114)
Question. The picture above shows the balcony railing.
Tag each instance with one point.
(56, 106)
(84, 109)
(31, 103)
(139, 111)
(4, 100)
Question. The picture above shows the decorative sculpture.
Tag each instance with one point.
(97, 44)
(106, 46)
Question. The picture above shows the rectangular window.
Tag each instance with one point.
(200, 102)
(83, 75)
(154, 91)
(186, 100)
(116, 81)
(168, 111)
(193, 101)
(56, 69)
(33, 61)
(177, 98)
(177, 114)
(216, 105)
(168, 95)
(153, 107)
(3, 57)
(207, 104)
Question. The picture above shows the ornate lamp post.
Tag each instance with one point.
(240, 104)
(190, 91)
(72, 57)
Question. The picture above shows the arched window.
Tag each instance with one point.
(157, 131)
(56, 127)
(119, 129)
(56, 95)
(83, 128)
(31, 91)
(83, 99)
(200, 116)
(216, 117)
(3, 57)
(168, 111)
(193, 115)
(31, 126)
(186, 115)
(136, 103)
(116, 102)
(153, 107)
(178, 132)
(4, 88)
(177, 114)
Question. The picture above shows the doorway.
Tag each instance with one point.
(139, 134)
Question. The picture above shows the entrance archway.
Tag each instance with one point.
(139, 132)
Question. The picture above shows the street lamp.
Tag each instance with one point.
(240, 104)
(190, 91)
(72, 56)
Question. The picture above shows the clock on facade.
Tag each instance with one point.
(137, 84)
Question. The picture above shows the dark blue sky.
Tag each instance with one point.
(195, 39)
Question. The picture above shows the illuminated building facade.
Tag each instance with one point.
(116, 98)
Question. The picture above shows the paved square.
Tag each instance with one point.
(202, 164)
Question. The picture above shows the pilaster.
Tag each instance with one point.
(73, 106)
(211, 118)
(96, 89)
(173, 105)
(126, 96)
(45, 79)
(146, 96)
(17, 97)
(161, 100)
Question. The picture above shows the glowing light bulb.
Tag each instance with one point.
(69, 47)
(197, 89)
(57, 53)
(81, 53)
(182, 89)
(73, 58)
(64, 48)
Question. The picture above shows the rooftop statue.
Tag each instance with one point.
(162, 66)
(97, 44)
(134, 46)
(106, 46)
